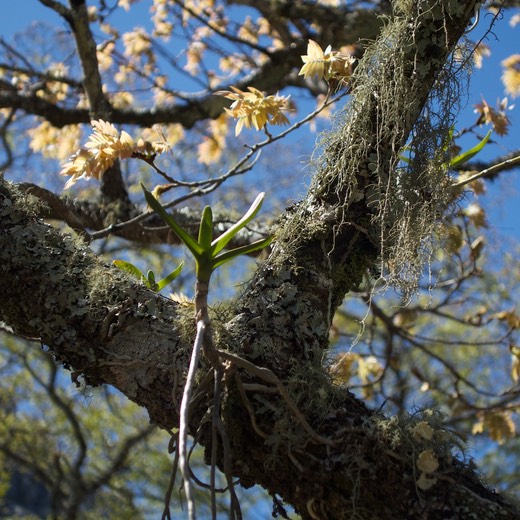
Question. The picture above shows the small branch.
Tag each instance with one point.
(44, 76)
(62, 10)
(223, 33)
(58, 208)
(488, 171)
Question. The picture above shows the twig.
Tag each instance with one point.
(487, 171)
(207, 186)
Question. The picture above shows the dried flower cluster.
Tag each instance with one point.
(494, 116)
(104, 146)
(254, 108)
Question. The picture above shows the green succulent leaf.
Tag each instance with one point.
(404, 158)
(150, 275)
(206, 229)
(188, 240)
(168, 279)
(467, 155)
(242, 250)
(130, 269)
(149, 279)
(205, 250)
(222, 241)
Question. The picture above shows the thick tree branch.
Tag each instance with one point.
(335, 25)
(110, 331)
(61, 9)
(145, 228)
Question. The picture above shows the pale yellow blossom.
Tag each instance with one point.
(254, 109)
(213, 145)
(328, 65)
(104, 146)
(194, 57)
(511, 75)
(52, 142)
(480, 52)
(496, 117)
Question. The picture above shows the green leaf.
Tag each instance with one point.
(189, 241)
(130, 269)
(167, 279)
(206, 229)
(222, 241)
(151, 280)
(406, 149)
(242, 250)
(466, 156)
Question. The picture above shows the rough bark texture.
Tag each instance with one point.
(109, 330)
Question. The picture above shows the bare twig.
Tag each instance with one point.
(61, 9)
(488, 171)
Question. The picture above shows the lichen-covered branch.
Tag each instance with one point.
(88, 217)
(107, 330)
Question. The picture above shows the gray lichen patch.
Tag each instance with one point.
(93, 318)
(44, 252)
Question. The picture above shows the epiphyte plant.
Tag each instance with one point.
(208, 252)
(149, 278)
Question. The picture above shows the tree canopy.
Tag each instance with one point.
(197, 298)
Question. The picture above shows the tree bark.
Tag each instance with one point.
(330, 456)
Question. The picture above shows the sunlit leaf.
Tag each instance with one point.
(188, 240)
(467, 155)
(221, 242)
(206, 228)
(169, 278)
(242, 250)
(130, 269)
(150, 275)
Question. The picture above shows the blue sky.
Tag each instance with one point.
(503, 201)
